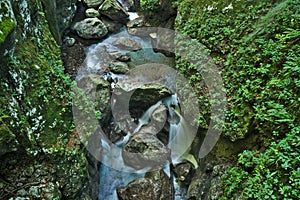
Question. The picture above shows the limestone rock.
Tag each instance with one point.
(93, 3)
(155, 185)
(127, 43)
(91, 28)
(119, 67)
(145, 150)
(92, 12)
(140, 27)
(113, 9)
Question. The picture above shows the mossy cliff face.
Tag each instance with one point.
(39, 148)
(255, 45)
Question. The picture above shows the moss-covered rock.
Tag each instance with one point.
(7, 20)
(36, 127)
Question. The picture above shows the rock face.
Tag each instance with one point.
(207, 184)
(91, 28)
(99, 90)
(155, 185)
(7, 25)
(113, 10)
(127, 43)
(145, 150)
(93, 3)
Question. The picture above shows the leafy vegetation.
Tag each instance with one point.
(255, 45)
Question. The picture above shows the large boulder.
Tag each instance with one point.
(113, 10)
(155, 185)
(145, 150)
(91, 28)
(93, 3)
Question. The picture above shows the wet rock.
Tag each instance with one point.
(184, 173)
(140, 27)
(92, 12)
(119, 67)
(127, 43)
(155, 185)
(144, 87)
(69, 41)
(117, 55)
(113, 10)
(112, 26)
(157, 121)
(93, 3)
(145, 150)
(91, 28)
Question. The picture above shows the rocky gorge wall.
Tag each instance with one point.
(40, 154)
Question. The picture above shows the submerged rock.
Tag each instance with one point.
(145, 150)
(113, 9)
(127, 43)
(91, 28)
(155, 185)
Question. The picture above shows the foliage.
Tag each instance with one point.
(149, 4)
(274, 174)
(35, 92)
(255, 44)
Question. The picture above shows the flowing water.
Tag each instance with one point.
(97, 62)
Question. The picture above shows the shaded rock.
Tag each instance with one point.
(127, 43)
(140, 27)
(119, 67)
(93, 3)
(144, 87)
(145, 150)
(98, 90)
(163, 41)
(154, 186)
(184, 172)
(112, 26)
(69, 41)
(8, 141)
(91, 28)
(7, 26)
(92, 12)
(207, 184)
(60, 14)
(113, 10)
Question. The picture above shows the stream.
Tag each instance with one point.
(97, 61)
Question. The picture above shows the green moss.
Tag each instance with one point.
(256, 47)
(6, 27)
